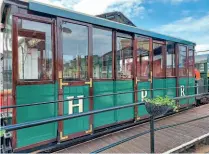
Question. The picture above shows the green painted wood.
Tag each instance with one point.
(104, 87)
(29, 94)
(35, 6)
(143, 86)
(183, 82)
(124, 99)
(78, 124)
(171, 83)
(191, 91)
(159, 83)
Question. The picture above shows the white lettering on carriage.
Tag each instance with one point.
(71, 105)
(182, 91)
(143, 95)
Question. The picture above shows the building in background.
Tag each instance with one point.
(117, 17)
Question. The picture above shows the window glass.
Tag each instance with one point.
(182, 61)
(170, 59)
(75, 52)
(143, 64)
(158, 68)
(34, 50)
(102, 54)
(7, 53)
(191, 61)
(124, 57)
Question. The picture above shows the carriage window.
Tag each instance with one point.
(143, 63)
(34, 50)
(170, 59)
(124, 57)
(191, 61)
(182, 60)
(158, 68)
(102, 54)
(75, 52)
(6, 58)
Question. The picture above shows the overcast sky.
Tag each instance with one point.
(187, 19)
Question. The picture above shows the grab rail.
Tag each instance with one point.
(102, 95)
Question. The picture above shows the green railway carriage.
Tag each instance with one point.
(57, 54)
(202, 64)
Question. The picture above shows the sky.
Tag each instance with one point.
(186, 19)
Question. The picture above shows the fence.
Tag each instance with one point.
(72, 116)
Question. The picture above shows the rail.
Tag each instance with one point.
(72, 116)
(87, 97)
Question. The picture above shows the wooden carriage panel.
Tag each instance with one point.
(124, 99)
(77, 125)
(170, 85)
(183, 91)
(145, 86)
(106, 118)
(29, 94)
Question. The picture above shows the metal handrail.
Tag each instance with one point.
(64, 117)
(87, 97)
(72, 116)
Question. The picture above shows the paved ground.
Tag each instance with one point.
(165, 139)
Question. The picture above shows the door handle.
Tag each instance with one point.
(137, 80)
(89, 82)
(61, 81)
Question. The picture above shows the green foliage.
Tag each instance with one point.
(2, 132)
(162, 101)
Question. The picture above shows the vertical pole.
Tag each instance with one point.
(152, 137)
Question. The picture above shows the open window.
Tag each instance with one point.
(35, 54)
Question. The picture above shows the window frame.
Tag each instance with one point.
(193, 63)
(163, 43)
(175, 56)
(113, 59)
(127, 36)
(187, 69)
(5, 62)
(39, 19)
(60, 51)
(150, 58)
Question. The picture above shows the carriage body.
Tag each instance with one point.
(55, 54)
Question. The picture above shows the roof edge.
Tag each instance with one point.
(66, 13)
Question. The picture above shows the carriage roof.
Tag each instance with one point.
(61, 12)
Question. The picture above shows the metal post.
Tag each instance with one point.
(152, 135)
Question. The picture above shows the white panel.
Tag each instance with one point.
(1, 72)
(1, 42)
